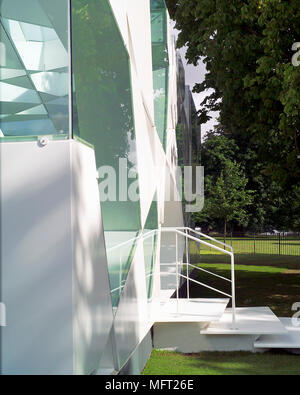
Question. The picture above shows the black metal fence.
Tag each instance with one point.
(279, 244)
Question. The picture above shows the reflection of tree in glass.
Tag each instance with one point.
(102, 99)
(160, 65)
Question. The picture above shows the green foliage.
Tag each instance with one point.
(247, 49)
(227, 196)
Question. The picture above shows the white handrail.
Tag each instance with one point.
(141, 235)
(197, 282)
(200, 234)
(183, 231)
(210, 238)
(201, 241)
(207, 271)
(197, 240)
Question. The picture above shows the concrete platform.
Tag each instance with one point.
(289, 340)
(166, 294)
(249, 321)
(191, 310)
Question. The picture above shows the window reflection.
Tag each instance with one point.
(34, 74)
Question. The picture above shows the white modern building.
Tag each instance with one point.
(91, 244)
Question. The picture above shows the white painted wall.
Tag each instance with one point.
(36, 258)
(54, 278)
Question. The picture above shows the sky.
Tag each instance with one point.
(195, 75)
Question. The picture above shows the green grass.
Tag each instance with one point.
(236, 363)
(261, 280)
(265, 280)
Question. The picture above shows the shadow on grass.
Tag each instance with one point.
(272, 281)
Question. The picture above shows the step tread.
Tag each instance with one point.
(291, 339)
(249, 321)
(191, 310)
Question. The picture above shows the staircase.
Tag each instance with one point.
(290, 340)
(195, 325)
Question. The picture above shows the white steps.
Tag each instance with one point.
(288, 340)
(190, 310)
(206, 325)
(249, 321)
(166, 294)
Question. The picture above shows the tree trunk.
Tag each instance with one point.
(225, 230)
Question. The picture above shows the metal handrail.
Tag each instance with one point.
(200, 234)
(183, 231)
(187, 236)
(141, 235)
(198, 282)
(210, 238)
(207, 271)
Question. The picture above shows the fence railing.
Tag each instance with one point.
(282, 243)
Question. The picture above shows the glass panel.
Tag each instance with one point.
(160, 66)
(150, 245)
(119, 260)
(34, 73)
(103, 117)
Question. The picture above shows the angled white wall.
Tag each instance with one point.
(92, 309)
(36, 258)
(54, 279)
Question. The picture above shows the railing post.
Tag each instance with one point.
(177, 285)
(120, 273)
(233, 292)
(187, 265)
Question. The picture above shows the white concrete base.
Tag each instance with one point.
(190, 310)
(249, 321)
(186, 338)
(166, 294)
(289, 340)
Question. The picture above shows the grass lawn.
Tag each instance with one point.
(237, 363)
(261, 280)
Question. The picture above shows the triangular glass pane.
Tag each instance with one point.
(31, 13)
(37, 110)
(23, 82)
(10, 59)
(11, 73)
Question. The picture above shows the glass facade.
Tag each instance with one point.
(39, 96)
(34, 69)
(160, 66)
(103, 117)
(119, 260)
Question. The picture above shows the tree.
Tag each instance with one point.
(227, 198)
(247, 49)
